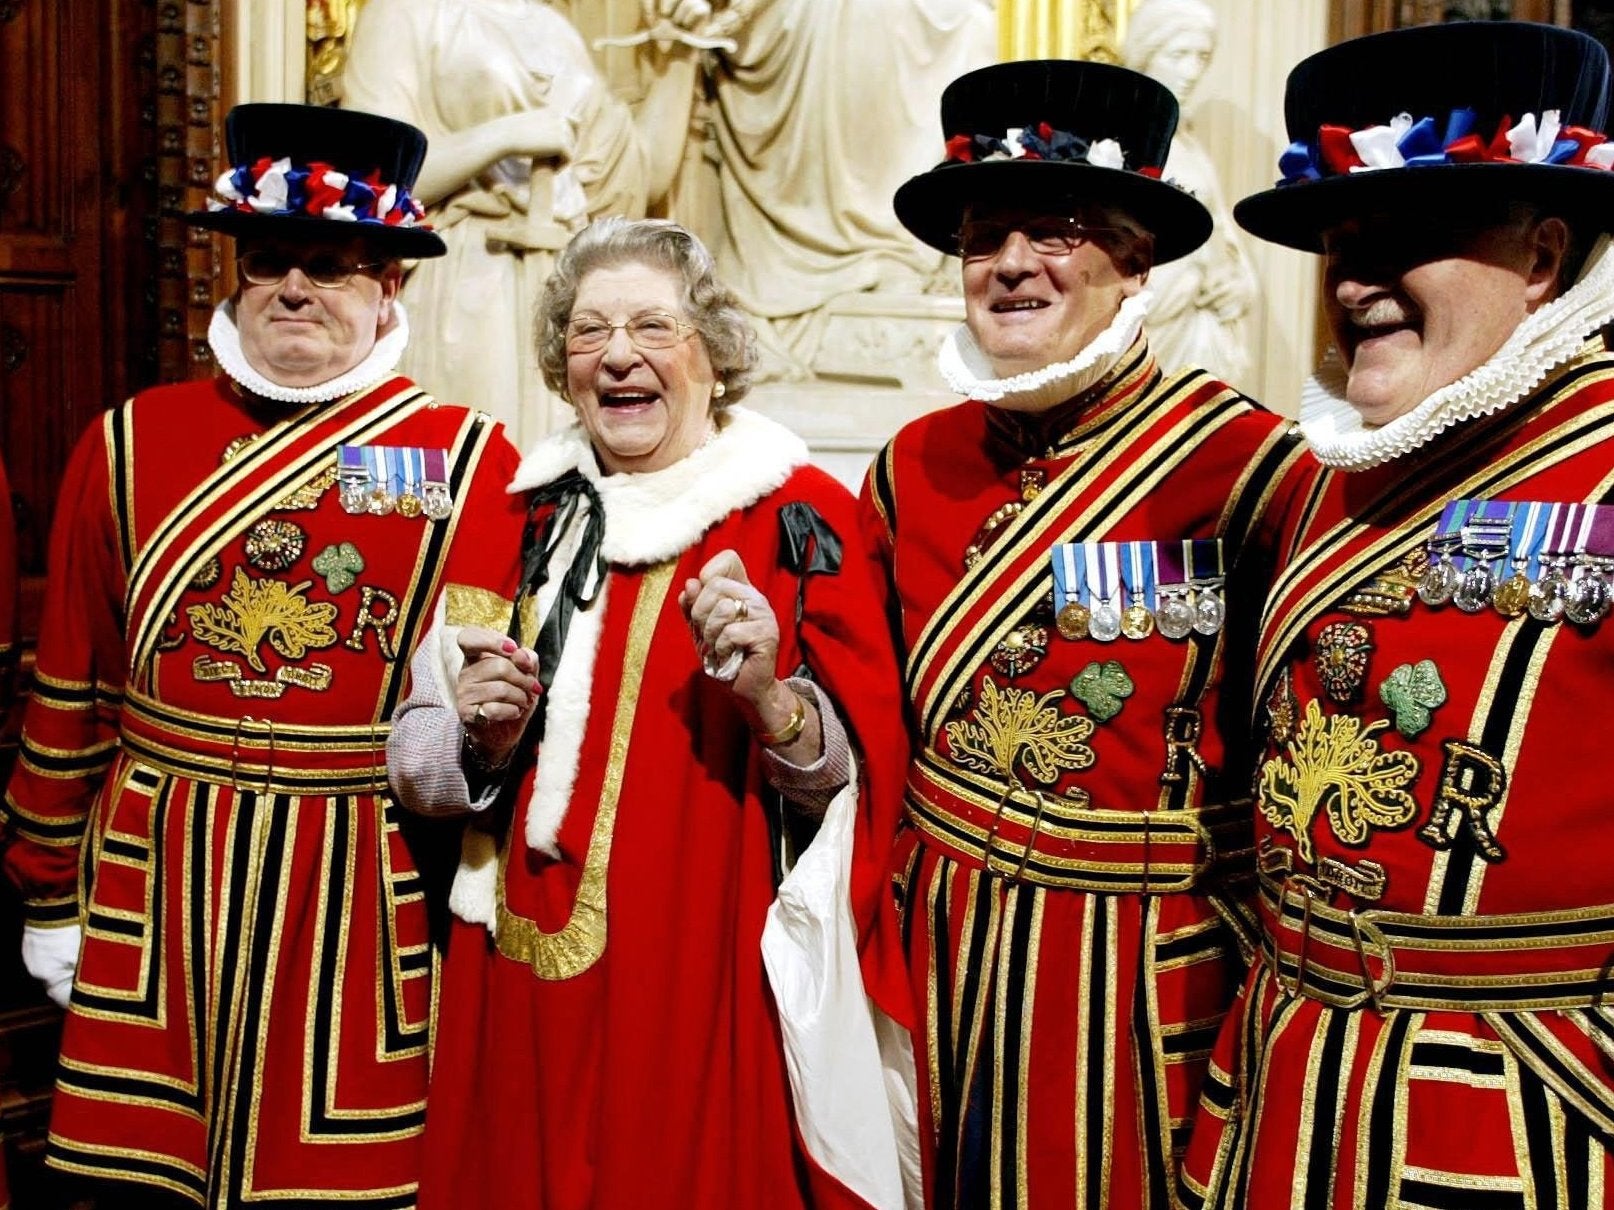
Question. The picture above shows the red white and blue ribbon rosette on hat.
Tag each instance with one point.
(1407, 142)
(283, 188)
(1039, 142)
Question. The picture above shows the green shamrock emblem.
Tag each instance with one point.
(1412, 691)
(1102, 688)
(340, 565)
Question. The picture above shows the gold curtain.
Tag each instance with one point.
(1062, 29)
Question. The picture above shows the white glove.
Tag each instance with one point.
(51, 956)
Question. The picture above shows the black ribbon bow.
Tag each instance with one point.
(538, 546)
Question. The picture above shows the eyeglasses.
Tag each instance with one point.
(266, 266)
(655, 330)
(1053, 235)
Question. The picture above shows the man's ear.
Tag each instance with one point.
(391, 280)
(1550, 245)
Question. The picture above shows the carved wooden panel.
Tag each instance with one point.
(109, 129)
(41, 412)
(35, 195)
(190, 152)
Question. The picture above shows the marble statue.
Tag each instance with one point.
(819, 112)
(1202, 310)
(527, 143)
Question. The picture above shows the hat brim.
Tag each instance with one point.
(932, 204)
(1296, 216)
(403, 242)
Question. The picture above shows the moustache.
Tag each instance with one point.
(1384, 312)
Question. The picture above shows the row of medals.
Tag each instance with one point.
(366, 496)
(1181, 611)
(1584, 597)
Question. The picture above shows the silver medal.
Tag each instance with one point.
(1474, 589)
(1549, 595)
(1440, 582)
(1175, 616)
(1209, 613)
(1105, 624)
(1587, 599)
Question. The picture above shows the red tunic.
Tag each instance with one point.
(1067, 1016)
(201, 786)
(1435, 787)
(628, 1054)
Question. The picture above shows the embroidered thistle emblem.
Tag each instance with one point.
(340, 565)
(1342, 651)
(255, 610)
(1412, 692)
(1335, 763)
(1013, 727)
(1102, 688)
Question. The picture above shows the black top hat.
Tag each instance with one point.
(1055, 132)
(1429, 119)
(306, 169)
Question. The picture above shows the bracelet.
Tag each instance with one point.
(481, 764)
(788, 733)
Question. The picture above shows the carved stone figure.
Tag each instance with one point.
(821, 111)
(527, 143)
(1202, 303)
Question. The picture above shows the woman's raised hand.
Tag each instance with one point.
(728, 617)
(496, 693)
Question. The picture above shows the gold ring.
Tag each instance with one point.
(479, 716)
(741, 610)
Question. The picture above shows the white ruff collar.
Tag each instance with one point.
(1547, 338)
(225, 340)
(654, 515)
(968, 372)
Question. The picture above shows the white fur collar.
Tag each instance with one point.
(968, 372)
(224, 338)
(655, 515)
(1546, 340)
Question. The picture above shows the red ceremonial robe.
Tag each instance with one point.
(1067, 1015)
(608, 1039)
(202, 786)
(1429, 1024)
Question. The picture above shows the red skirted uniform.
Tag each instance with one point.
(1427, 1026)
(202, 787)
(1064, 863)
(8, 657)
(608, 1037)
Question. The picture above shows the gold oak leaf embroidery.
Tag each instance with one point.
(1014, 726)
(257, 609)
(1334, 762)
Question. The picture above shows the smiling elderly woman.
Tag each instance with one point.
(608, 1037)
